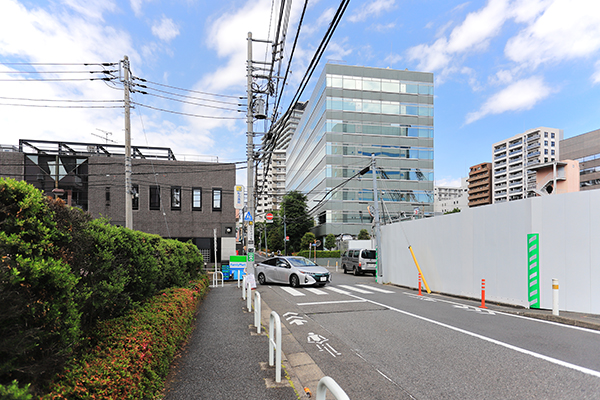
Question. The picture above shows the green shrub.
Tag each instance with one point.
(131, 355)
(320, 254)
(14, 392)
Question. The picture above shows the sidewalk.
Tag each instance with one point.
(225, 358)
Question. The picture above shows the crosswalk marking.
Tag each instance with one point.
(355, 289)
(335, 289)
(316, 291)
(376, 289)
(293, 291)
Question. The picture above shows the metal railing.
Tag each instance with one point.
(257, 311)
(275, 344)
(335, 389)
(215, 280)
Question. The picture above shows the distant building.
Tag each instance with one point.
(557, 177)
(355, 112)
(513, 158)
(271, 179)
(446, 199)
(480, 184)
(585, 149)
(182, 200)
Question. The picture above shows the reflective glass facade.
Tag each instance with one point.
(355, 112)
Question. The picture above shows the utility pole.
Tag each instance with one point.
(128, 205)
(376, 217)
(250, 155)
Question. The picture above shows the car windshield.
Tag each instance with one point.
(369, 254)
(301, 262)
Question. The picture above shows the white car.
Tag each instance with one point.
(295, 271)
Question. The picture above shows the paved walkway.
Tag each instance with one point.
(225, 358)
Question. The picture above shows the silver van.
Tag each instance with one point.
(359, 261)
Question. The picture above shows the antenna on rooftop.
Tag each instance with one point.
(105, 137)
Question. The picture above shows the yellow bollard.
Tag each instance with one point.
(419, 268)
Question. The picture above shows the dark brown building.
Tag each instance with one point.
(182, 200)
(480, 184)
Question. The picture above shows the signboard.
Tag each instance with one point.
(237, 265)
(248, 216)
(533, 270)
(250, 257)
(238, 197)
(269, 217)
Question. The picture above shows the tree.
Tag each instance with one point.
(456, 210)
(330, 241)
(307, 240)
(298, 222)
(363, 235)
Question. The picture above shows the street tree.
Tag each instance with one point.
(363, 235)
(307, 240)
(297, 221)
(330, 241)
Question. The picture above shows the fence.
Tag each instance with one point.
(456, 251)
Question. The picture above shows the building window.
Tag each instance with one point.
(552, 144)
(545, 143)
(155, 197)
(216, 197)
(176, 198)
(545, 134)
(197, 199)
(545, 151)
(107, 195)
(552, 153)
(135, 197)
(552, 135)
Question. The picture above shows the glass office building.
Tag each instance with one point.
(355, 112)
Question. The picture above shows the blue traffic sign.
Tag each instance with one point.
(248, 216)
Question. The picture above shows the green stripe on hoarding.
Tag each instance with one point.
(533, 269)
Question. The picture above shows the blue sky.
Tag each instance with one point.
(501, 67)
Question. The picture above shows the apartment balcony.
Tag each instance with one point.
(500, 156)
(515, 144)
(533, 137)
(499, 193)
(515, 175)
(500, 185)
(500, 148)
(502, 200)
(516, 166)
(515, 160)
(499, 164)
(533, 154)
(515, 183)
(532, 146)
(516, 190)
(534, 162)
(500, 178)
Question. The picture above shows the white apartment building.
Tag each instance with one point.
(447, 198)
(272, 186)
(513, 158)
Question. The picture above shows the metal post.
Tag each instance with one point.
(128, 204)
(328, 383)
(250, 156)
(554, 296)
(284, 235)
(376, 217)
(257, 311)
(275, 343)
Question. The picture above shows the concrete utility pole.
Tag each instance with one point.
(128, 204)
(376, 217)
(250, 151)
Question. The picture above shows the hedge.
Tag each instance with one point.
(320, 254)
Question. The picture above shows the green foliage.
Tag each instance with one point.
(456, 210)
(307, 239)
(363, 235)
(14, 392)
(329, 241)
(131, 355)
(320, 254)
(298, 222)
(61, 272)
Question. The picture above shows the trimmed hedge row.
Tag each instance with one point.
(320, 254)
(132, 354)
(61, 272)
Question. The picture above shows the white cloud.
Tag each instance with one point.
(567, 29)
(596, 75)
(373, 9)
(92, 9)
(165, 29)
(521, 95)
(393, 59)
(448, 182)
(136, 6)
(323, 20)
(383, 27)
(338, 50)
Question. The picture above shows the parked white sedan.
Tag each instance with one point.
(296, 271)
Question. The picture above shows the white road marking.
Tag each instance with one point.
(355, 289)
(376, 289)
(335, 289)
(490, 340)
(316, 291)
(331, 302)
(293, 291)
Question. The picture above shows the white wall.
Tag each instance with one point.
(456, 251)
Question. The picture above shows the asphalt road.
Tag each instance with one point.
(386, 342)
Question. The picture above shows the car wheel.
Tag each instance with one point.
(261, 278)
(356, 271)
(294, 281)
(345, 270)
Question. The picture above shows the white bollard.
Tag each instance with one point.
(248, 297)
(244, 288)
(554, 296)
(275, 344)
(257, 311)
(328, 383)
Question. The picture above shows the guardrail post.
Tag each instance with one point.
(275, 344)
(248, 296)
(216, 279)
(244, 288)
(239, 273)
(328, 383)
(257, 311)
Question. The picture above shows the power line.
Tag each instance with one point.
(186, 114)
(55, 106)
(33, 63)
(184, 96)
(59, 72)
(188, 102)
(56, 79)
(62, 100)
(187, 90)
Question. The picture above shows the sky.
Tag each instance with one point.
(501, 67)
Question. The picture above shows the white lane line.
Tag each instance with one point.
(490, 340)
(355, 289)
(334, 289)
(331, 302)
(376, 289)
(316, 291)
(292, 291)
